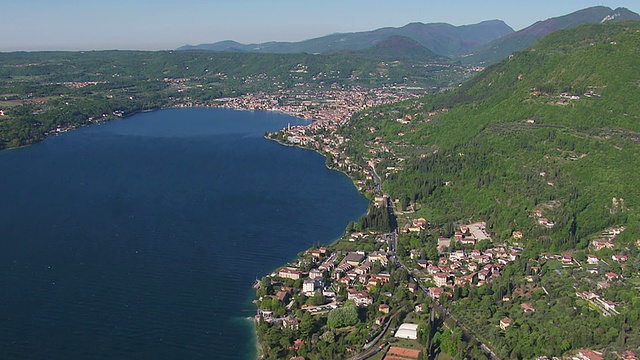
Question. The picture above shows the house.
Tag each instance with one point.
(297, 344)
(412, 287)
(354, 259)
(587, 354)
(290, 322)
(309, 286)
(316, 274)
(364, 268)
(282, 296)
(418, 308)
(467, 240)
(382, 277)
(593, 270)
(289, 273)
(378, 256)
(484, 274)
(440, 279)
(420, 223)
(504, 323)
(466, 279)
(457, 255)
(361, 298)
(599, 244)
(435, 292)
(527, 308)
(517, 235)
(611, 276)
(592, 260)
(384, 308)
(422, 263)
(380, 320)
(619, 258)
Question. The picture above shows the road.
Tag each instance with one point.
(393, 245)
(375, 176)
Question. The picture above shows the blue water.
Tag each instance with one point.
(141, 238)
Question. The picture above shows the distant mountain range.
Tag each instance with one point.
(520, 40)
(443, 39)
(483, 43)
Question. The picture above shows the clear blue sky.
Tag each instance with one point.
(162, 24)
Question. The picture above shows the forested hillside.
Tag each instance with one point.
(544, 148)
(553, 128)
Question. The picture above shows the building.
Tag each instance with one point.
(407, 331)
(504, 323)
(440, 279)
(527, 308)
(353, 259)
(316, 274)
(587, 354)
(360, 298)
(288, 273)
(435, 292)
(309, 286)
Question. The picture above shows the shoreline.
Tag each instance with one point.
(259, 349)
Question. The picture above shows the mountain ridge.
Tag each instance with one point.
(521, 39)
(442, 38)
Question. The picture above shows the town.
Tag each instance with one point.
(402, 293)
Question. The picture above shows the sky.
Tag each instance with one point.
(30, 25)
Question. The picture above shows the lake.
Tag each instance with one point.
(141, 237)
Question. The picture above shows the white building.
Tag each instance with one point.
(407, 331)
(309, 286)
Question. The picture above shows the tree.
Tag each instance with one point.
(346, 315)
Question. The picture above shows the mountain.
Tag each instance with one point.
(443, 39)
(506, 45)
(395, 48)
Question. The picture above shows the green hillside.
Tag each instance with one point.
(567, 108)
(545, 144)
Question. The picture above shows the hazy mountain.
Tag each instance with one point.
(503, 47)
(398, 48)
(443, 39)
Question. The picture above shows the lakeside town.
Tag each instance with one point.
(403, 294)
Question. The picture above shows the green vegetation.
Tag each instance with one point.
(550, 132)
(513, 140)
